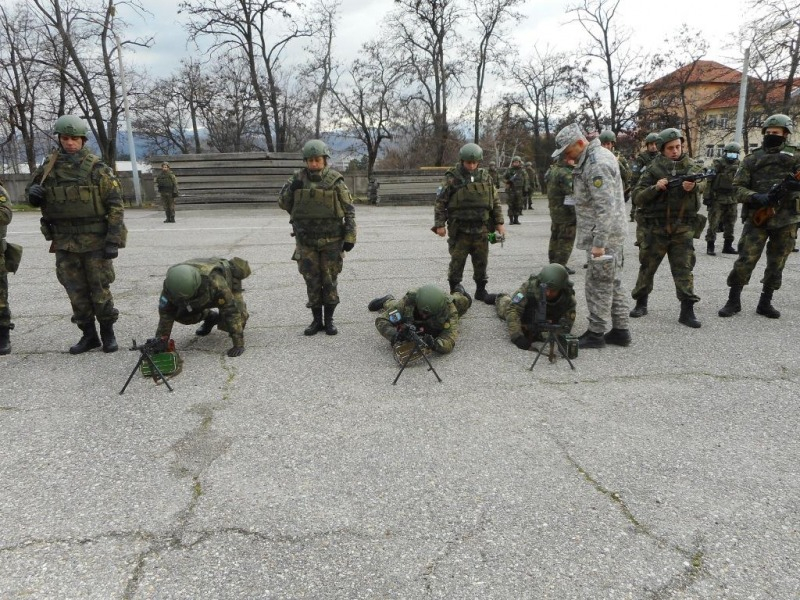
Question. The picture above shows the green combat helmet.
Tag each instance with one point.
(554, 276)
(470, 152)
(71, 125)
(669, 135)
(182, 281)
(314, 148)
(652, 138)
(778, 121)
(515, 159)
(431, 300)
(733, 147)
(607, 136)
(492, 164)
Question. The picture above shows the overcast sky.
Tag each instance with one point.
(546, 23)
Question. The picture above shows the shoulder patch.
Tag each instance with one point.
(163, 301)
(446, 325)
(518, 297)
(597, 181)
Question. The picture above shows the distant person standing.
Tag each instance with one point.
(167, 185)
(516, 181)
(531, 174)
(720, 198)
(492, 170)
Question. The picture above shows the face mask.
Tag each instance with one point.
(731, 156)
(773, 141)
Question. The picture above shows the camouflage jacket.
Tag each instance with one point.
(66, 172)
(522, 311)
(495, 177)
(639, 163)
(559, 185)
(167, 183)
(599, 199)
(5, 218)
(530, 172)
(624, 170)
(516, 179)
(758, 172)
(456, 179)
(673, 206)
(443, 326)
(720, 189)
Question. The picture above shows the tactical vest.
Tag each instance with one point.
(71, 196)
(318, 202)
(673, 205)
(516, 177)
(723, 182)
(770, 168)
(164, 182)
(471, 201)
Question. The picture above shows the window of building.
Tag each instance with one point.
(723, 122)
(710, 151)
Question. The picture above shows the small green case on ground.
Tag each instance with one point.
(571, 344)
(167, 362)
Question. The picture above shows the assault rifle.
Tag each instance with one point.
(540, 323)
(408, 332)
(775, 195)
(146, 352)
(674, 182)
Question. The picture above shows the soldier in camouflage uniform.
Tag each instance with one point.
(720, 198)
(468, 205)
(519, 309)
(601, 229)
(562, 216)
(608, 140)
(167, 185)
(492, 170)
(324, 223)
(207, 290)
(435, 314)
(667, 217)
(766, 224)
(82, 215)
(5, 312)
(517, 186)
(639, 163)
(531, 175)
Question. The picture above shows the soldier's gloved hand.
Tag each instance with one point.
(521, 342)
(428, 340)
(236, 351)
(297, 184)
(347, 246)
(760, 199)
(110, 251)
(36, 194)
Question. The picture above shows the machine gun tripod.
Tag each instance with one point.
(552, 342)
(146, 352)
(409, 332)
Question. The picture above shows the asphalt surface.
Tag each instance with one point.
(665, 470)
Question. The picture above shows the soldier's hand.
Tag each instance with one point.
(347, 246)
(236, 351)
(760, 199)
(110, 251)
(521, 342)
(36, 194)
(428, 340)
(688, 186)
(440, 231)
(662, 183)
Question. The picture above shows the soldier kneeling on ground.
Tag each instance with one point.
(519, 309)
(207, 290)
(434, 314)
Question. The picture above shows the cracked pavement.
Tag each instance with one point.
(666, 470)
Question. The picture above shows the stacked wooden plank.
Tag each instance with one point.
(408, 187)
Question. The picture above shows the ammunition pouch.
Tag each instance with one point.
(12, 255)
(73, 202)
(46, 229)
(77, 226)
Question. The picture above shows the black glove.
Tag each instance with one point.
(157, 345)
(110, 251)
(36, 194)
(236, 351)
(347, 246)
(521, 342)
(760, 199)
(297, 184)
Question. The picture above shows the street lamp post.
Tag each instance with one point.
(137, 190)
(738, 136)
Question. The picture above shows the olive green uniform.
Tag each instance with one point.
(220, 288)
(562, 217)
(531, 175)
(720, 197)
(639, 163)
(443, 326)
(167, 185)
(516, 181)
(5, 218)
(81, 215)
(470, 208)
(323, 218)
(667, 221)
(495, 177)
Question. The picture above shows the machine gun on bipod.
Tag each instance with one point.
(409, 345)
(567, 348)
(157, 359)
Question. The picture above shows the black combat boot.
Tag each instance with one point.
(640, 309)
(208, 323)
(590, 339)
(108, 337)
(330, 328)
(618, 337)
(480, 290)
(88, 341)
(492, 298)
(453, 285)
(734, 303)
(728, 248)
(316, 324)
(765, 308)
(378, 303)
(5, 341)
(710, 248)
(687, 314)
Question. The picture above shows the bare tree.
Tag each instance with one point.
(320, 67)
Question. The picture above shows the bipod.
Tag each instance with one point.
(144, 355)
(552, 342)
(417, 348)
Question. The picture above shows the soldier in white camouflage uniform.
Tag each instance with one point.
(600, 212)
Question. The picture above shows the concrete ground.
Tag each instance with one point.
(666, 470)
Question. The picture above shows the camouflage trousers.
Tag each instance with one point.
(562, 240)
(678, 247)
(779, 243)
(5, 311)
(605, 297)
(462, 245)
(721, 213)
(87, 276)
(516, 201)
(320, 267)
(169, 205)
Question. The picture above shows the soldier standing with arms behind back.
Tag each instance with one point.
(764, 223)
(468, 205)
(601, 224)
(82, 217)
(324, 223)
(167, 185)
(516, 187)
(562, 216)
(720, 198)
(5, 312)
